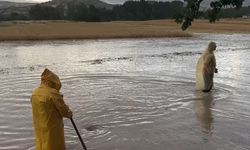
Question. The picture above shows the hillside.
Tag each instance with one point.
(96, 3)
(6, 4)
(7, 8)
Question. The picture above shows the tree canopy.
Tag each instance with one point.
(130, 10)
(191, 11)
(184, 13)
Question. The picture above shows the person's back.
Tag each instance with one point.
(205, 69)
(48, 109)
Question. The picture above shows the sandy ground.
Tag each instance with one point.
(53, 30)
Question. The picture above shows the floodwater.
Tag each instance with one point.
(131, 94)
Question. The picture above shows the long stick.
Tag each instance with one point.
(79, 136)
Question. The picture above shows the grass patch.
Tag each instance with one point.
(59, 30)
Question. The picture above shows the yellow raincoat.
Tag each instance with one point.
(48, 110)
(205, 69)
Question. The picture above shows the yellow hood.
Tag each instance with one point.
(211, 47)
(50, 79)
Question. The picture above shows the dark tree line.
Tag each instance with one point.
(81, 12)
(147, 10)
(39, 12)
(235, 13)
(130, 10)
(14, 16)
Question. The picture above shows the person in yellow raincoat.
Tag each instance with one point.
(205, 69)
(48, 109)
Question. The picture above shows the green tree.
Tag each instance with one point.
(93, 14)
(39, 12)
(76, 11)
(191, 11)
(146, 10)
(17, 16)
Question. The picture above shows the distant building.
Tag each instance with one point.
(246, 16)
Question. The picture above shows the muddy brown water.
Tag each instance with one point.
(131, 94)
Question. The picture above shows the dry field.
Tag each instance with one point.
(56, 30)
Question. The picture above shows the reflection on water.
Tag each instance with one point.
(203, 110)
(131, 94)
